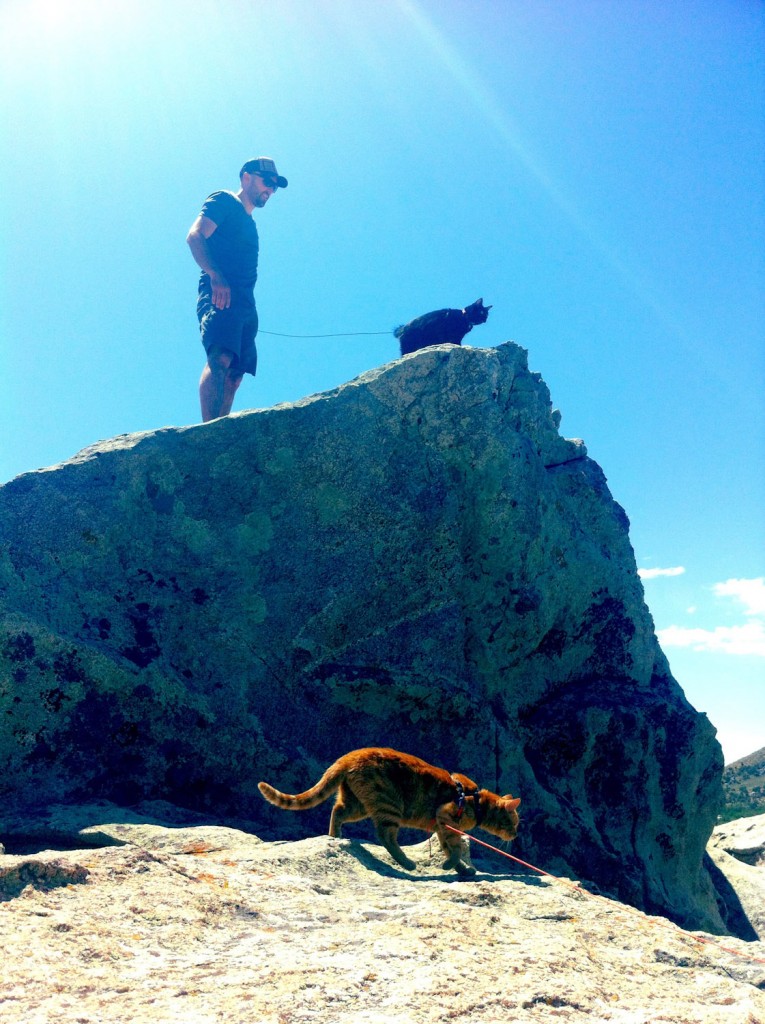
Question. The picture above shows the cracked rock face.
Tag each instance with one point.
(417, 560)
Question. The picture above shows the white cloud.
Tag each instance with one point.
(651, 574)
(751, 593)
(745, 639)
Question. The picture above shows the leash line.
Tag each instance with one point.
(475, 839)
(596, 896)
(351, 334)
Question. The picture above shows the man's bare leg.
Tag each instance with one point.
(218, 385)
(230, 388)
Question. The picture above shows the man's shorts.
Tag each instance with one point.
(232, 329)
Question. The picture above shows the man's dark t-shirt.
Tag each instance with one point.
(233, 246)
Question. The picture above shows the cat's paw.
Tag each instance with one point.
(459, 866)
(408, 864)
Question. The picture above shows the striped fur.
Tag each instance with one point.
(395, 789)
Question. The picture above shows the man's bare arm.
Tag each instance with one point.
(197, 237)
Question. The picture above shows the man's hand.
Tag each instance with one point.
(221, 291)
(197, 237)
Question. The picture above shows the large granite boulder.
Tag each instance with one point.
(417, 559)
(737, 852)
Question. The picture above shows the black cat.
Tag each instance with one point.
(441, 327)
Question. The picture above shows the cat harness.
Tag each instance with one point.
(462, 796)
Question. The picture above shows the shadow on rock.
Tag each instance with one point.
(731, 911)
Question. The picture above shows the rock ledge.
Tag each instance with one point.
(210, 925)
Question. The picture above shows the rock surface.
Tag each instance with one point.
(418, 560)
(206, 925)
(737, 849)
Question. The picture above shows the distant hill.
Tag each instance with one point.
(744, 786)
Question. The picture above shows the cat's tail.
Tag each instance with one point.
(324, 788)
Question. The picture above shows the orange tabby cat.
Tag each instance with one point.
(395, 789)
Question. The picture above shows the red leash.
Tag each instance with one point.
(504, 853)
(596, 896)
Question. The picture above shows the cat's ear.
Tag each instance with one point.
(511, 802)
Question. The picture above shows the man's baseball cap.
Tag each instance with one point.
(264, 165)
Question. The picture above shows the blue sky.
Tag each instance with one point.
(593, 169)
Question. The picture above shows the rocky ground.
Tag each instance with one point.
(201, 925)
(737, 849)
(416, 549)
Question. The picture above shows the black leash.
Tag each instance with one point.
(352, 334)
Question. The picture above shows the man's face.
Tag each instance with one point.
(259, 188)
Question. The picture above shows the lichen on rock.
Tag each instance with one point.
(417, 559)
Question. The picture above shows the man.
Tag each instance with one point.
(224, 242)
